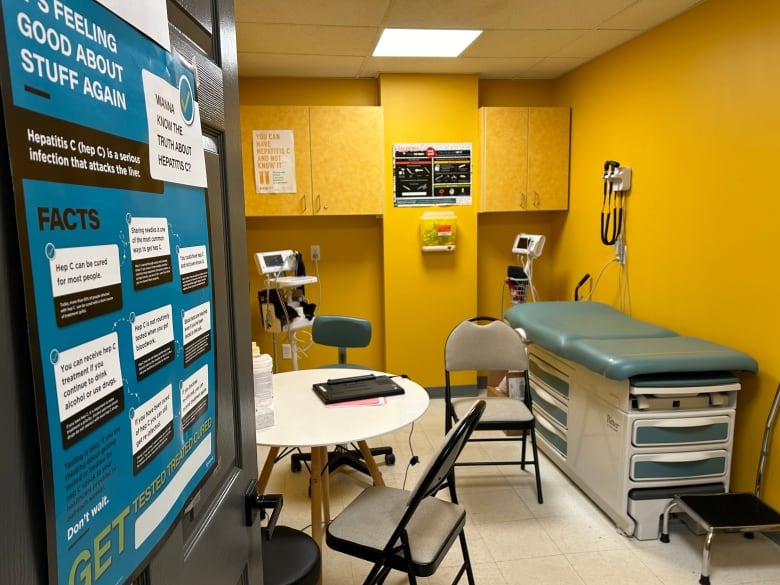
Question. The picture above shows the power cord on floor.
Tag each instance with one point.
(414, 460)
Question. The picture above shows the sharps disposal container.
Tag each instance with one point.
(438, 230)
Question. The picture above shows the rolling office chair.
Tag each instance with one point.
(729, 512)
(485, 344)
(410, 531)
(343, 332)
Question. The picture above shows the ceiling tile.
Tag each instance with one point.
(521, 43)
(334, 12)
(522, 38)
(594, 43)
(306, 40)
(647, 14)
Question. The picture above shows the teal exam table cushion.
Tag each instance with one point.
(555, 324)
(620, 359)
(617, 346)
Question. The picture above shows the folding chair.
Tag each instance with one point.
(486, 343)
(409, 531)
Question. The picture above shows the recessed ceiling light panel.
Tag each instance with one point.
(420, 42)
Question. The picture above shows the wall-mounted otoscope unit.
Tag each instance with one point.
(617, 180)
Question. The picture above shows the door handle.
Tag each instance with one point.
(262, 502)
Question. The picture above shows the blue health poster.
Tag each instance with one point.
(109, 178)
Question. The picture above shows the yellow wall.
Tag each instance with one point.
(426, 294)
(350, 274)
(692, 107)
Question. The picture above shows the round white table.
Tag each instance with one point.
(302, 420)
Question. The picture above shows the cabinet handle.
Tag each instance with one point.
(537, 201)
(523, 201)
(317, 203)
(303, 203)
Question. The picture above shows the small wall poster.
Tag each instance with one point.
(274, 160)
(431, 174)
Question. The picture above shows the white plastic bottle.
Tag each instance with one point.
(262, 375)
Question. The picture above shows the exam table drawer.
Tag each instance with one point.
(552, 407)
(681, 431)
(550, 433)
(685, 465)
(556, 380)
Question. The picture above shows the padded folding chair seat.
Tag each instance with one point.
(500, 412)
(432, 530)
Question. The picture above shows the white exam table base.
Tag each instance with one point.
(605, 385)
(601, 452)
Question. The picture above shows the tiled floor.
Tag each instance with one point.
(514, 540)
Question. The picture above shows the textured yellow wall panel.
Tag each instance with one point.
(692, 107)
(427, 294)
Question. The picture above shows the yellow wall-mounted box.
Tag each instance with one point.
(438, 230)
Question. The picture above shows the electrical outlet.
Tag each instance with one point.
(315, 253)
(286, 351)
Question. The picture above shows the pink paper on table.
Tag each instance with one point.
(362, 402)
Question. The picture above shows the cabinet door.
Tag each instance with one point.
(548, 158)
(347, 160)
(504, 159)
(295, 118)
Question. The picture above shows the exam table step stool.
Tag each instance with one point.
(728, 512)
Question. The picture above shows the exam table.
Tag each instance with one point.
(632, 412)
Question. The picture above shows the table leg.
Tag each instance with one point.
(325, 482)
(319, 457)
(265, 473)
(373, 468)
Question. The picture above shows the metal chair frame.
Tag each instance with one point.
(485, 357)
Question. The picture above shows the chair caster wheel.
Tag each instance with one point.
(390, 459)
(295, 466)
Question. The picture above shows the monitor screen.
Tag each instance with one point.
(521, 243)
(273, 260)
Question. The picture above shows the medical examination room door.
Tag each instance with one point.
(208, 542)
